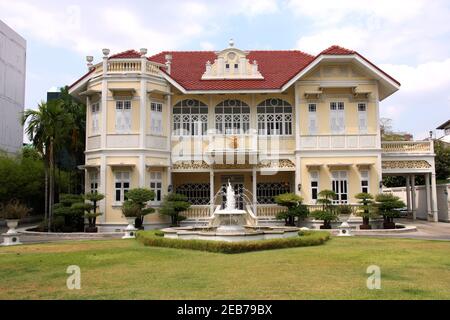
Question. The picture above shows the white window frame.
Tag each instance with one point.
(156, 118)
(122, 184)
(275, 118)
(123, 116)
(156, 186)
(337, 117)
(190, 119)
(365, 181)
(312, 118)
(339, 184)
(232, 117)
(94, 181)
(95, 115)
(314, 176)
(362, 117)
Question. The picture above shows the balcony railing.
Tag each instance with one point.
(132, 66)
(197, 212)
(407, 147)
(338, 141)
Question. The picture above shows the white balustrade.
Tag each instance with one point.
(337, 141)
(407, 147)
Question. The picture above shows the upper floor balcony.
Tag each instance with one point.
(130, 67)
(407, 147)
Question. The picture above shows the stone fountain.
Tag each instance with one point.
(230, 219)
(229, 224)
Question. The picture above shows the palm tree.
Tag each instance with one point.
(46, 128)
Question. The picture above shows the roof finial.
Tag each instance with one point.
(231, 43)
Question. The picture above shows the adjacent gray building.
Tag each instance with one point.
(12, 88)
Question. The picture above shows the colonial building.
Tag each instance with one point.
(269, 122)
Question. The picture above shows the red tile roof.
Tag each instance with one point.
(277, 67)
(337, 50)
(129, 54)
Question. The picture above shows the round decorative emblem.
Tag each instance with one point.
(273, 102)
(14, 239)
(344, 231)
(190, 103)
(232, 103)
(231, 56)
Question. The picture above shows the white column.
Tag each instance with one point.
(102, 189)
(211, 192)
(428, 195)
(413, 196)
(408, 194)
(434, 208)
(104, 106)
(297, 118)
(297, 175)
(143, 114)
(142, 171)
(254, 191)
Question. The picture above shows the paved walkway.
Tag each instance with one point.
(425, 230)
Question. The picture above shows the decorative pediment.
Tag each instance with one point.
(232, 63)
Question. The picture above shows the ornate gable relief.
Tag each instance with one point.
(232, 63)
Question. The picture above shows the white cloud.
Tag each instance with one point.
(253, 8)
(424, 78)
(205, 45)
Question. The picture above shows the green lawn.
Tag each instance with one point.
(125, 269)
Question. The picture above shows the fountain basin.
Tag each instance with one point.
(247, 233)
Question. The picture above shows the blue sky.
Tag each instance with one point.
(409, 39)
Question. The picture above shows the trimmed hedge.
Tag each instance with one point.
(305, 239)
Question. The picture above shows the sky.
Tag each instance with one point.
(409, 39)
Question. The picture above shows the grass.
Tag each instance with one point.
(310, 238)
(126, 269)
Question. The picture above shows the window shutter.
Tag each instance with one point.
(340, 121)
(362, 121)
(312, 123)
(126, 120)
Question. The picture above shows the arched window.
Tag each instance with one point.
(232, 117)
(190, 118)
(274, 117)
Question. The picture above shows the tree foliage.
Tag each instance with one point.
(295, 208)
(387, 205)
(173, 204)
(136, 204)
(22, 178)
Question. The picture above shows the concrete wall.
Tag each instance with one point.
(443, 197)
(12, 88)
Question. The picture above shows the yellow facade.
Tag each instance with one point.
(141, 152)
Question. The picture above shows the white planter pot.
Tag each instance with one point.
(12, 225)
(11, 238)
(130, 230)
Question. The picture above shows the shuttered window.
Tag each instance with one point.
(337, 117)
(123, 116)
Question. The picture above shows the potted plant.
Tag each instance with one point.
(294, 206)
(173, 205)
(130, 211)
(92, 214)
(387, 205)
(328, 213)
(366, 209)
(13, 212)
(327, 216)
